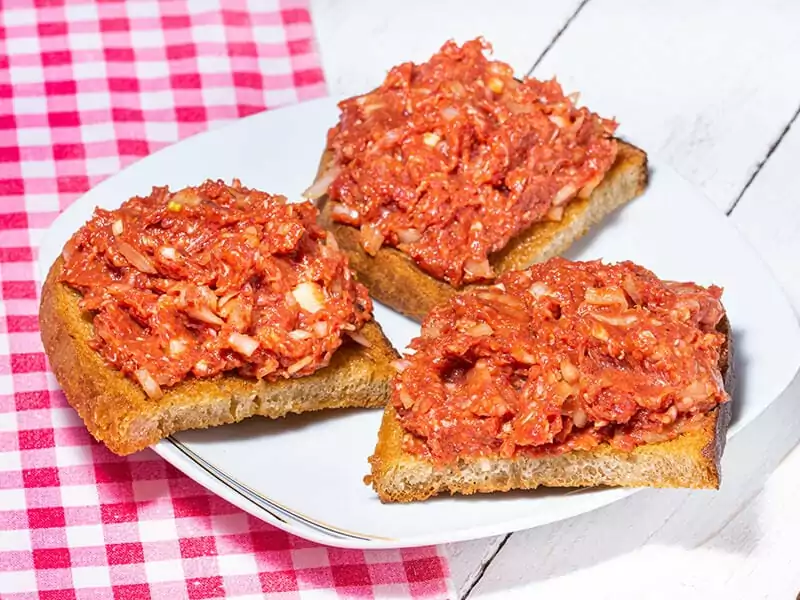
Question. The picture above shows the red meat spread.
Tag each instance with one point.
(450, 159)
(562, 356)
(212, 279)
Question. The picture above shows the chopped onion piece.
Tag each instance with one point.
(68, 251)
(480, 330)
(295, 367)
(400, 365)
(299, 334)
(168, 253)
(359, 338)
(320, 187)
(235, 314)
(430, 139)
(391, 137)
(574, 97)
(117, 227)
(205, 315)
(136, 258)
(619, 321)
(587, 190)
(309, 296)
(371, 107)
(243, 344)
(320, 328)
(564, 194)
(558, 121)
(569, 371)
(556, 213)
(599, 332)
(408, 236)
(119, 288)
(500, 69)
(578, 123)
(226, 298)
(186, 196)
(270, 366)
(458, 88)
(632, 289)
(150, 385)
(539, 289)
(579, 418)
(478, 268)
(371, 239)
(201, 367)
(207, 296)
(654, 437)
(405, 399)
(449, 113)
(606, 296)
(670, 415)
(495, 84)
(177, 346)
(523, 356)
(342, 211)
(563, 389)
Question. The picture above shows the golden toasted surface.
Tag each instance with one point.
(394, 280)
(691, 460)
(117, 412)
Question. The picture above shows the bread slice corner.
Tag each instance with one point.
(118, 413)
(692, 460)
(395, 280)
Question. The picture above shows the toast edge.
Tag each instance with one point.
(117, 412)
(398, 476)
(390, 274)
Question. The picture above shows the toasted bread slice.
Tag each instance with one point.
(395, 280)
(118, 413)
(692, 460)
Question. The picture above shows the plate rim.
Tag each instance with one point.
(171, 453)
(181, 458)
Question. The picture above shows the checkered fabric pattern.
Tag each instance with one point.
(86, 88)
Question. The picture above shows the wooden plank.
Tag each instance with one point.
(711, 99)
(658, 543)
(741, 538)
(361, 40)
(769, 213)
(469, 560)
(707, 85)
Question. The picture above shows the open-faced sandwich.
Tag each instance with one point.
(563, 374)
(453, 172)
(206, 306)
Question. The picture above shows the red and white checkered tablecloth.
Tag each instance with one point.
(86, 88)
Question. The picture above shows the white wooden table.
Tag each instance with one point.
(713, 87)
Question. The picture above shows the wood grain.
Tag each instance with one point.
(361, 39)
(769, 213)
(710, 87)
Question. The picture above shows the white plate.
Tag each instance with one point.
(304, 473)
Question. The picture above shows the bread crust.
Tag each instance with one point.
(118, 413)
(692, 460)
(391, 275)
